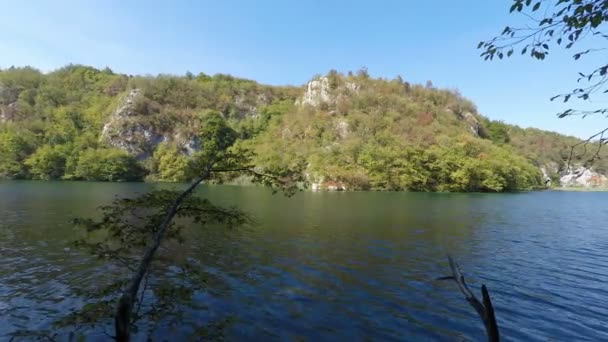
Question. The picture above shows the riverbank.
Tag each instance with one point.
(577, 189)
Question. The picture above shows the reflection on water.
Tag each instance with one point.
(340, 266)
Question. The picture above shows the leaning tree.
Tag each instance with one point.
(145, 284)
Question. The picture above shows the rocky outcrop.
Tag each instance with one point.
(8, 112)
(342, 129)
(470, 120)
(546, 178)
(188, 145)
(319, 92)
(467, 117)
(577, 176)
(132, 128)
(583, 177)
(8, 103)
(137, 139)
(128, 129)
(243, 108)
(248, 106)
(328, 186)
(323, 183)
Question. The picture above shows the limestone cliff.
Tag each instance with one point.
(129, 129)
(583, 177)
(137, 128)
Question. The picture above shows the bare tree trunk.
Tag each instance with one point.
(122, 318)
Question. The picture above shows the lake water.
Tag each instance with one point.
(345, 265)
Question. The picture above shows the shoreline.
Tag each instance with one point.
(577, 189)
(248, 184)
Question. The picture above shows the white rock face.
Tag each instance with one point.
(469, 118)
(128, 105)
(128, 130)
(583, 177)
(125, 130)
(473, 122)
(243, 108)
(335, 186)
(546, 178)
(317, 92)
(342, 128)
(352, 86)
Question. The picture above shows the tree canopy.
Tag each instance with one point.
(80, 123)
(130, 233)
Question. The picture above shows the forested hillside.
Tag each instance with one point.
(352, 131)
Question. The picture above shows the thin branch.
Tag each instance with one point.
(484, 309)
(584, 144)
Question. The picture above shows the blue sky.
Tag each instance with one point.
(287, 42)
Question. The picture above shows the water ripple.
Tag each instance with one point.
(350, 266)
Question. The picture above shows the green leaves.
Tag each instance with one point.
(120, 235)
(169, 164)
(565, 113)
(48, 162)
(539, 54)
(472, 165)
(517, 6)
(75, 102)
(15, 146)
(216, 137)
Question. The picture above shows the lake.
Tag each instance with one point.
(342, 265)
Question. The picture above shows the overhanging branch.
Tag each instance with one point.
(122, 318)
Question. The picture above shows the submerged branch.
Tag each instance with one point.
(484, 308)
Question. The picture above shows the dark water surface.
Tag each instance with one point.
(342, 266)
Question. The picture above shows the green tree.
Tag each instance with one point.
(133, 229)
(498, 132)
(48, 162)
(169, 164)
(73, 105)
(15, 146)
(111, 165)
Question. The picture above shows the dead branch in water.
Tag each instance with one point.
(484, 308)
